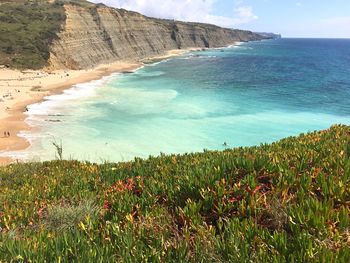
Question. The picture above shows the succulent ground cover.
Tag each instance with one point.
(284, 202)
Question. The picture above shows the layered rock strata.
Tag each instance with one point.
(99, 34)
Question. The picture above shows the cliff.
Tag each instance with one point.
(77, 34)
(95, 34)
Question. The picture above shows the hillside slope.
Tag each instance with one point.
(76, 34)
(284, 202)
(27, 30)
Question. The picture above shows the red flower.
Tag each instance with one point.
(106, 205)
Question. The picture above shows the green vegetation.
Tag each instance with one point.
(284, 202)
(27, 28)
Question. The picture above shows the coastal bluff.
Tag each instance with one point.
(77, 34)
(100, 34)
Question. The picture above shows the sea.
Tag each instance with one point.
(243, 95)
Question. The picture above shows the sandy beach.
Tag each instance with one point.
(19, 89)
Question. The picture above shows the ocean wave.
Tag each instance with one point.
(196, 56)
(157, 63)
(151, 73)
(50, 104)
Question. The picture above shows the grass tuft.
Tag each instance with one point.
(63, 217)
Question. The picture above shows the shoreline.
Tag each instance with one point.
(18, 89)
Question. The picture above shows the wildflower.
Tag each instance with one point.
(106, 205)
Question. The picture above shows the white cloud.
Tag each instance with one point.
(187, 10)
(243, 15)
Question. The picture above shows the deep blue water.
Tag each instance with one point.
(254, 93)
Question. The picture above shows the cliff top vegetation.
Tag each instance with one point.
(288, 201)
(27, 29)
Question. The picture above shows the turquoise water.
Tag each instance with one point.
(254, 93)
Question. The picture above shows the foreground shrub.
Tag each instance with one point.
(284, 202)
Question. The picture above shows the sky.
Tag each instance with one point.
(291, 18)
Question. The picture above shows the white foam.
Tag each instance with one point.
(236, 45)
(77, 92)
(157, 63)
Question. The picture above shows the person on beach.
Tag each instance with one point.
(8, 134)
(5, 134)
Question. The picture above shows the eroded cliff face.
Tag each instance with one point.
(100, 34)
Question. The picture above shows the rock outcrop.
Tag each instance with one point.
(98, 34)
